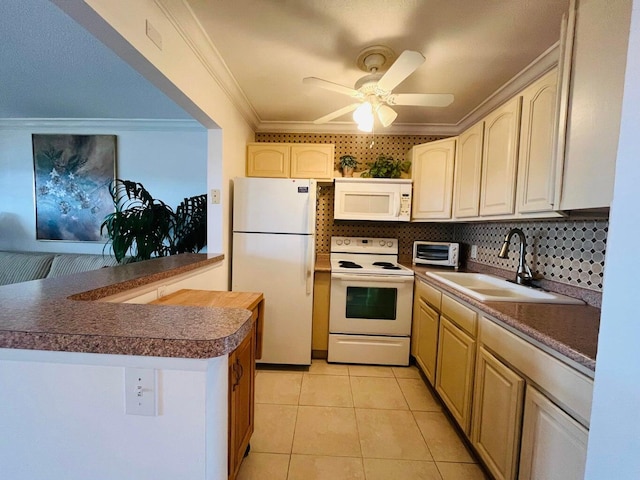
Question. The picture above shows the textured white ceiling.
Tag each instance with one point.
(472, 48)
(51, 67)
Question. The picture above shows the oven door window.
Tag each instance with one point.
(371, 303)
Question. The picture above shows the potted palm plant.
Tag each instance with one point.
(143, 227)
(348, 163)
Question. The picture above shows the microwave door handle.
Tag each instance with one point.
(397, 197)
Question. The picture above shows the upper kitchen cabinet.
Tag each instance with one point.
(285, 160)
(466, 196)
(432, 173)
(500, 157)
(538, 134)
(595, 103)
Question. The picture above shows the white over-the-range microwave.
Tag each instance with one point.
(381, 199)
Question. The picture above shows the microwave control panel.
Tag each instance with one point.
(405, 204)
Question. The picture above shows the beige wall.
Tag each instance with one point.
(179, 71)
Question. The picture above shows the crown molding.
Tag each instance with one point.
(351, 128)
(102, 124)
(541, 65)
(181, 16)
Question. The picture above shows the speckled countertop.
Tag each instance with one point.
(62, 314)
(569, 331)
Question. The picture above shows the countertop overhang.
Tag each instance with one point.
(64, 314)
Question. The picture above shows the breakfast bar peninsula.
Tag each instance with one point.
(97, 383)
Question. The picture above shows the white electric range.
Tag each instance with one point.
(371, 302)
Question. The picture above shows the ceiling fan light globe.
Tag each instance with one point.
(366, 126)
(363, 114)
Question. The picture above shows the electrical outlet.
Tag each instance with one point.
(474, 251)
(140, 391)
(215, 196)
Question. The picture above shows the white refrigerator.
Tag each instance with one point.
(274, 253)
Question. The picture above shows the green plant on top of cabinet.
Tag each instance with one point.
(432, 174)
(500, 159)
(285, 160)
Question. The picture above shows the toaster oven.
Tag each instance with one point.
(444, 254)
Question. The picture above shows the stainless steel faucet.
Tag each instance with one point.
(523, 274)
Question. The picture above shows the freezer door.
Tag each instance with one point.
(281, 267)
(274, 205)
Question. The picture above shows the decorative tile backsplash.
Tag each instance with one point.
(567, 251)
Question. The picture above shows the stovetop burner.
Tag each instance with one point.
(384, 264)
(349, 264)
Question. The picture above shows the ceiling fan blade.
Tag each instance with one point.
(318, 82)
(386, 115)
(405, 65)
(421, 99)
(337, 113)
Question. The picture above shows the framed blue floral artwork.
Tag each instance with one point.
(72, 177)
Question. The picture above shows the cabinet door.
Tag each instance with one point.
(427, 340)
(241, 400)
(312, 161)
(454, 371)
(554, 446)
(432, 174)
(499, 159)
(497, 413)
(268, 160)
(538, 131)
(466, 196)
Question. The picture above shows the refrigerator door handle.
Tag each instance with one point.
(309, 267)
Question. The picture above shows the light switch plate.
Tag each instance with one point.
(140, 391)
(215, 196)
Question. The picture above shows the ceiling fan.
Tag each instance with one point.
(375, 90)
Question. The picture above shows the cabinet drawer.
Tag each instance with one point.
(460, 314)
(567, 386)
(429, 294)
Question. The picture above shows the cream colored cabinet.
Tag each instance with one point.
(268, 160)
(554, 446)
(424, 332)
(497, 413)
(538, 131)
(284, 160)
(427, 321)
(432, 173)
(320, 319)
(456, 359)
(595, 95)
(468, 168)
(499, 159)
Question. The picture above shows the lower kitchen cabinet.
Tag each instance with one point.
(554, 446)
(497, 413)
(455, 370)
(242, 365)
(426, 321)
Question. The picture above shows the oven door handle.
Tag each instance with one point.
(345, 277)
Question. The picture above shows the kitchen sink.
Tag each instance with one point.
(489, 288)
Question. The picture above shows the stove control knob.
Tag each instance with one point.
(389, 244)
(382, 243)
(339, 242)
(347, 241)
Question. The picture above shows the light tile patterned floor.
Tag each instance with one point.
(352, 422)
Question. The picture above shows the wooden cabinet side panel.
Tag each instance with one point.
(312, 161)
(497, 414)
(427, 345)
(499, 160)
(432, 173)
(455, 371)
(468, 168)
(536, 167)
(268, 160)
(554, 446)
(321, 296)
